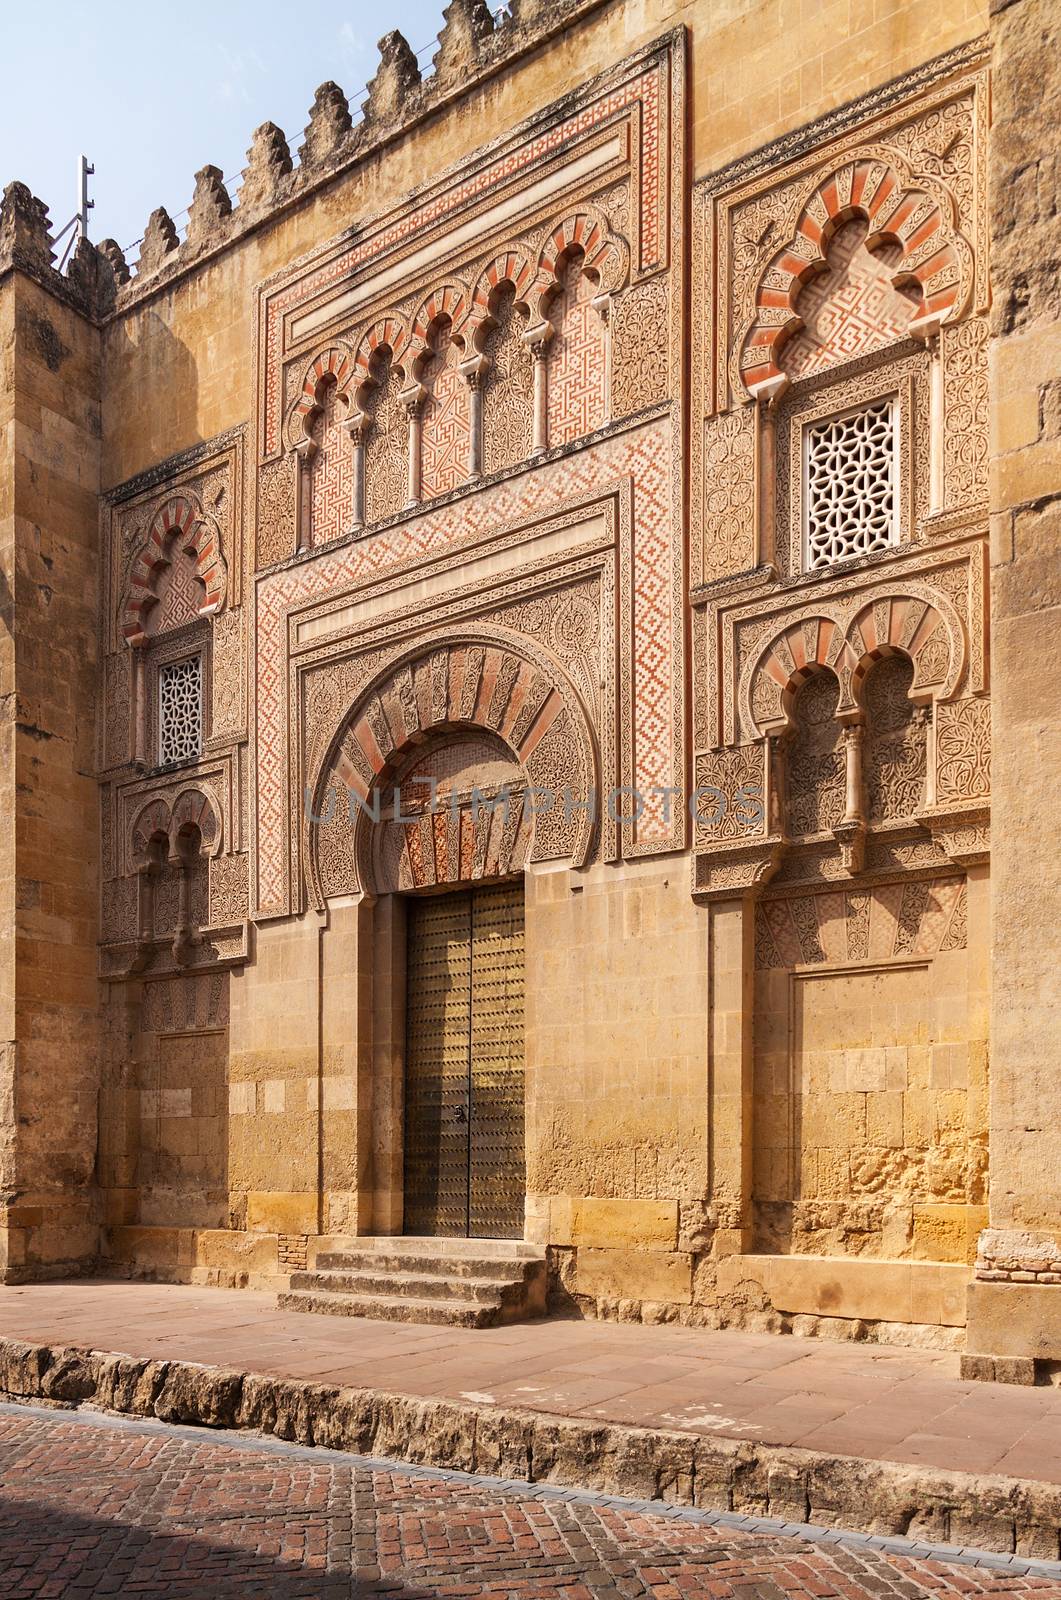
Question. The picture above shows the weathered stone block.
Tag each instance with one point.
(1015, 1320)
(641, 1274)
(232, 1250)
(281, 1213)
(599, 1222)
(835, 1286)
(73, 1376)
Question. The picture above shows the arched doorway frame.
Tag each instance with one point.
(478, 678)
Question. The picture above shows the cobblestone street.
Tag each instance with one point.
(90, 1506)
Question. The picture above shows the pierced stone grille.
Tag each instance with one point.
(180, 710)
(849, 485)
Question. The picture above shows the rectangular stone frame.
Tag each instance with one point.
(736, 598)
(645, 97)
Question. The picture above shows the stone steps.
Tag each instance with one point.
(468, 1283)
(383, 1263)
(452, 1313)
(405, 1285)
(451, 1248)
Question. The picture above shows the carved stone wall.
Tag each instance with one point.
(471, 391)
(167, 535)
(847, 275)
(507, 387)
(845, 278)
(793, 291)
(896, 757)
(870, 1074)
(814, 792)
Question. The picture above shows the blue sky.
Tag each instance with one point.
(152, 93)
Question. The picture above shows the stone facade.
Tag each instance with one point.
(672, 461)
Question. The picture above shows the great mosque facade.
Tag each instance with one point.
(508, 619)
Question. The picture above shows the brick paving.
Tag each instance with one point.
(872, 1401)
(90, 1506)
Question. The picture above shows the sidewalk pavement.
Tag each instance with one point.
(877, 1403)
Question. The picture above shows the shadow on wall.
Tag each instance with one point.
(150, 401)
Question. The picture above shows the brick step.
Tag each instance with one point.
(499, 1269)
(453, 1313)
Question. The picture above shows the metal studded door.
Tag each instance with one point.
(464, 1163)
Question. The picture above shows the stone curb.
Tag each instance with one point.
(952, 1516)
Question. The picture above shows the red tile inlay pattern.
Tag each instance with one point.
(331, 476)
(92, 1509)
(444, 439)
(576, 360)
(644, 90)
(644, 456)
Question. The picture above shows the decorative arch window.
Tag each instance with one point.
(170, 854)
(842, 352)
(444, 421)
(896, 760)
(578, 357)
(852, 308)
(508, 385)
(850, 484)
(178, 582)
(816, 769)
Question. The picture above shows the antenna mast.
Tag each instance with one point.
(77, 227)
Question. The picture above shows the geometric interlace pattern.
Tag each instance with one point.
(444, 430)
(331, 476)
(576, 360)
(643, 457)
(851, 309)
(180, 710)
(850, 485)
(181, 594)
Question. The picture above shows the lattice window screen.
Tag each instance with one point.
(850, 493)
(180, 710)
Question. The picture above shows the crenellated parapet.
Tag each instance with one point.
(26, 245)
(473, 46)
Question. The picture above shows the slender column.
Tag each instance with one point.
(414, 409)
(413, 398)
(764, 490)
(356, 432)
(854, 803)
(927, 330)
(850, 834)
(145, 910)
(935, 426)
(732, 969)
(139, 718)
(775, 781)
(537, 339)
(304, 454)
(473, 370)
